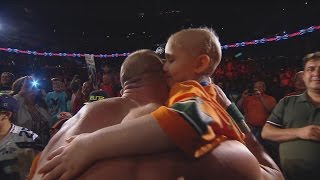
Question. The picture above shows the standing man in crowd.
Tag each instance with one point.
(295, 123)
(256, 106)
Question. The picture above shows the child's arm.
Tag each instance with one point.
(140, 136)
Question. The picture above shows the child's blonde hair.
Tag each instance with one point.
(199, 41)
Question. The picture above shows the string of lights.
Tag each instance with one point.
(227, 46)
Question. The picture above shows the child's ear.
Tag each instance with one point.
(202, 65)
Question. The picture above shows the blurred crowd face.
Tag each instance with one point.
(87, 88)
(6, 79)
(28, 88)
(299, 83)
(311, 75)
(57, 86)
(260, 86)
(106, 68)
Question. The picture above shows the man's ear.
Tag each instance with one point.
(202, 65)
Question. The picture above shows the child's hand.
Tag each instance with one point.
(68, 161)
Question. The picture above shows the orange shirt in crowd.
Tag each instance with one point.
(254, 111)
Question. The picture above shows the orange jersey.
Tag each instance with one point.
(194, 120)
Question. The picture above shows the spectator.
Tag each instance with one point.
(256, 106)
(298, 84)
(80, 97)
(32, 112)
(6, 81)
(106, 85)
(17, 144)
(295, 124)
(56, 100)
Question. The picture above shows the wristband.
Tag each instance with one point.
(234, 112)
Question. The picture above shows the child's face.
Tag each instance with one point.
(179, 65)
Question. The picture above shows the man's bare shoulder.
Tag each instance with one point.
(105, 105)
(141, 111)
(100, 114)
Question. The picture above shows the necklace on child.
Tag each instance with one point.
(204, 80)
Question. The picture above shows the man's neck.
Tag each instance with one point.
(141, 98)
(314, 97)
(300, 91)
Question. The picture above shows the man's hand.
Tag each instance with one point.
(311, 132)
(68, 161)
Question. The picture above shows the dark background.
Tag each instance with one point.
(124, 26)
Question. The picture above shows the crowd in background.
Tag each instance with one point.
(56, 97)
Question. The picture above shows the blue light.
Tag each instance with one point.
(34, 83)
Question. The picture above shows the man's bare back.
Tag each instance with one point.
(102, 114)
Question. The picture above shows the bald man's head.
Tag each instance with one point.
(138, 64)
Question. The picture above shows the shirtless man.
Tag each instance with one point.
(230, 160)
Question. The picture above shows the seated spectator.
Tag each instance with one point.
(18, 145)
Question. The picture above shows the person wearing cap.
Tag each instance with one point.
(97, 95)
(18, 145)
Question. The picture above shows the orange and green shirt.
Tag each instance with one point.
(194, 120)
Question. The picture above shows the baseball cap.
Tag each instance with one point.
(97, 95)
(8, 103)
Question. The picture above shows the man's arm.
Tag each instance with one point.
(267, 104)
(241, 100)
(311, 132)
(278, 134)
